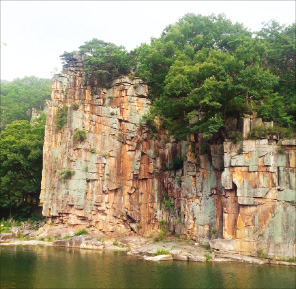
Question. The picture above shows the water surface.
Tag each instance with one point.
(48, 267)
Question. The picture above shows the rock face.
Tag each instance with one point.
(106, 171)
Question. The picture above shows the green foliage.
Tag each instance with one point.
(281, 150)
(115, 243)
(236, 136)
(81, 232)
(103, 61)
(119, 187)
(204, 70)
(92, 150)
(67, 237)
(21, 155)
(61, 117)
(261, 254)
(175, 164)
(208, 257)
(168, 204)
(160, 236)
(240, 151)
(79, 135)
(260, 132)
(20, 96)
(161, 252)
(75, 106)
(66, 174)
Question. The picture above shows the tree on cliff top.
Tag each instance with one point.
(104, 60)
(218, 70)
(204, 70)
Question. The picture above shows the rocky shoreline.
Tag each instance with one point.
(145, 248)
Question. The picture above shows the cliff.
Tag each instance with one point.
(105, 170)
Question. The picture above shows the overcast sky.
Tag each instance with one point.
(38, 32)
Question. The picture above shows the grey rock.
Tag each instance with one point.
(7, 237)
(222, 244)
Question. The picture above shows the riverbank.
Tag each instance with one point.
(145, 248)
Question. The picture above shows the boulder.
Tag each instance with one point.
(222, 244)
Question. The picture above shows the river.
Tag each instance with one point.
(52, 267)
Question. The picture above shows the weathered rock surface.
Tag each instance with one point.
(124, 183)
(7, 237)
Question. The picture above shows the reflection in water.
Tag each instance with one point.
(47, 267)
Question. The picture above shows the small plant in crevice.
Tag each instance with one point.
(81, 232)
(261, 254)
(167, 203)
(92, 150)
(119, 187)
(75, 106)
(163, 232)
(66, 174)
(115, 243)
(236, 136)
(61, 117)
(179, 181)
(240, 151)
(175, 164)
(79, 135)
(281, 150)
(208, 256)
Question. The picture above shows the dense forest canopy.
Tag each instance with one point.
(20, 96)
(21, 146)
(206, 66)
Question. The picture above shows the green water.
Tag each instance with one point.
(47, 267)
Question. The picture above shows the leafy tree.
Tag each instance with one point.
(281, 60)
(19, 96)
(102, 60)
(21, 145)
(203, 70)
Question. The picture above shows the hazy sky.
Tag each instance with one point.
(38, 32)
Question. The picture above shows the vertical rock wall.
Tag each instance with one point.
(124, 180)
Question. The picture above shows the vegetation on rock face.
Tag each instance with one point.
(66, 174)
(79, 135)
(61, 117)
(81, 232)
(21, 145)
(20, 96)
(161, 251)
(103, 60)
(204, 70)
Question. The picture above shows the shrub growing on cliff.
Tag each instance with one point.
(61, 117)
(79, 135)
(175, 164)
(66, 174)
(260, 132)
(81, 232)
